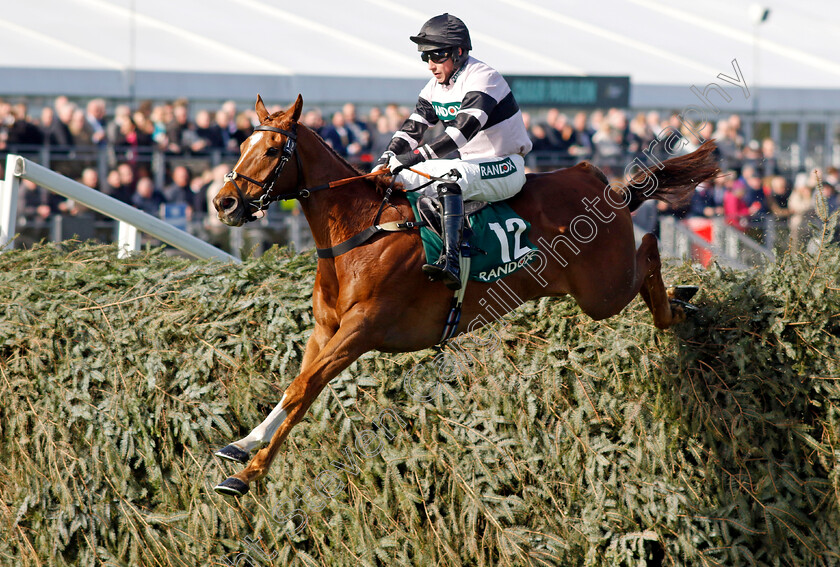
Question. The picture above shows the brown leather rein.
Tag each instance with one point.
(289, 150)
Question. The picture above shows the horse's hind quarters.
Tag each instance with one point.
(234, 453)
(232, 486)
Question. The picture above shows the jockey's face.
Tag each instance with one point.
(443, 70)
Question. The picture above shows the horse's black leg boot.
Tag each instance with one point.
(448, 266)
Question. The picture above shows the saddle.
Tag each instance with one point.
(429, 211)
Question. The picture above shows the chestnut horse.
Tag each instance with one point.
(375, 296)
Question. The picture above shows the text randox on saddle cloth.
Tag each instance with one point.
(498, 241)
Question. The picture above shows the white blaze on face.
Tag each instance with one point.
(253, 140)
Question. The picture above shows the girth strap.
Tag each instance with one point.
(365, 235)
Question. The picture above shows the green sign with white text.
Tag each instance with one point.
(573, 92)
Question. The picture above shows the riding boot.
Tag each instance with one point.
(448, 266)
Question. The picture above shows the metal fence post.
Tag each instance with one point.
(128, 239)
(9, 199)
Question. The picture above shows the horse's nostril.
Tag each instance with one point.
(228, 204)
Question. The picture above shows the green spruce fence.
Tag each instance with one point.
(550, 440)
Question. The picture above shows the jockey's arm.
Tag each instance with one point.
(471, 117)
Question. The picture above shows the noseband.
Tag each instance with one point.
(266, 198)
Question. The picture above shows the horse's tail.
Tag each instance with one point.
(673, 180)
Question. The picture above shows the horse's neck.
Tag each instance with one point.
(335, 214)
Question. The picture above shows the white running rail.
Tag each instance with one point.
(131, 220)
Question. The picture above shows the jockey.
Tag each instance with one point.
(484, 139)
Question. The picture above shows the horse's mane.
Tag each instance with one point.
(380, 183)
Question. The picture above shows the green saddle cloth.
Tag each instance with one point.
(498, 242)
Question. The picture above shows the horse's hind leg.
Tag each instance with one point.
(652, 288)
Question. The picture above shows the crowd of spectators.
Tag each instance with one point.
(754, 187)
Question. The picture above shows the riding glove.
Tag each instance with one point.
(403, 161)
(383, 161)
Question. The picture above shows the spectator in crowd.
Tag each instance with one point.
(178, 126)
(114, 187)
(373, 119)
(6, 120)
(313, 120)
(229, 108)
(832, 176)
(54, 131)
(396, 116)
(380, 136)
(751, 155)
(754, 198)
(607, 142)
(777, 201)
(539, 139)
(832, 199)
(222, 128)
(778, 198)
(95, 117)
(554, 121)
(89, 178)
(36, 205)
(23, 131)
(358, 127)
(205, 136)
(800, 205)
(128, 182)
(768, 164)
(198, 194)
(729, 147)
(79, 127)
(565, 139)
(583, 136)
(244, 128)
(144, 129)
(147, 197)
(735, 209)
(641, 129)
(340, 137)
(704, 202)
(628, 141)
(178, 190)
(118, 129)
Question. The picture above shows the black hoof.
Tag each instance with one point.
(234, 453)
(687, 307)
(232, 487)
(683, 292)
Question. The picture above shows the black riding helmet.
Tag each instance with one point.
(441, 32)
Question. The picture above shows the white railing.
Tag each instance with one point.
(132, 221)
(729, 247)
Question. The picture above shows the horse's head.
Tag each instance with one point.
(261, 174)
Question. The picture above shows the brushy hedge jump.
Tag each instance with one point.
(549, 440)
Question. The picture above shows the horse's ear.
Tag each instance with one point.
(262, 113)
(296, 108)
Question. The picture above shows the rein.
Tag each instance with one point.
(289, 150)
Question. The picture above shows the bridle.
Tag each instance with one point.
(289, 149)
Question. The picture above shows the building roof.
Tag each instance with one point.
(333, 51)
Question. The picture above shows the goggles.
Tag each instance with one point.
(437, 56)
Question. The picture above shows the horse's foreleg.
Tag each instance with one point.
(348, 344)
(652, 288)
(240, 451)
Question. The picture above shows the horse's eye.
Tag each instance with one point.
(271, 152)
